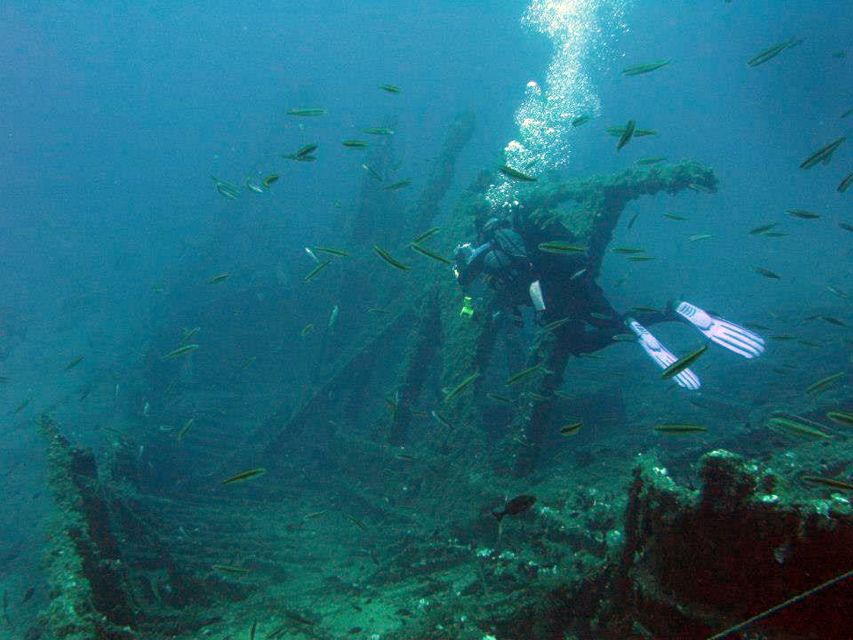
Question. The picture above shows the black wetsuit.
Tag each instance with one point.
(504, 264)
(593, 321)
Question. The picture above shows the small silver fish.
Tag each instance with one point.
(578, 274)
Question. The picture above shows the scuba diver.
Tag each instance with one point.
(589, 321)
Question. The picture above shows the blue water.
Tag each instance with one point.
(114, 116)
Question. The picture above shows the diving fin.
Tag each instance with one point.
(662, 356)
(727, 334)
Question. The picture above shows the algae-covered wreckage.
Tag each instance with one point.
(374, 517)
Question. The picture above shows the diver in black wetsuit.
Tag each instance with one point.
(502, 259)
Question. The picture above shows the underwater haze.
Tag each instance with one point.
(482, 320)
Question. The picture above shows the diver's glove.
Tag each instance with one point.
(726, 334)
(662, 356)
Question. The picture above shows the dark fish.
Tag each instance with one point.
(303, 153)
(571, 429)
(699, 188)
(222, 277)
(180, 351)
(316, 270)
(524, 373)
(245, 475)
(802, 213)
(627, 250)
(314, 515)
(355, 144)
(679, 429)
(185, 429)
(624, 337)
(430, 254)
(270, 180)
(390, 88)
(426, 234)
(558, 246)
(387, 257)
(357, 522)
(841, 417)
(763, 229)
(379, 131)
(455, 391)
(845, 183)
(518, 504)
(22, 406)
(74, 363)
(771, 52)
(638, 133)
(499, 398)
(835, 321)
(626, 136)
(639, 69)
(682, 363)
(847, 113)
(632, 221)
(373, 172)
(822, 155)
(797, 428)
(333, 251)
(673, 216)
(640, 258)
(306, 112)
(580, 120)
(823, 383)
(442, 420)
(556, 324)
(400, 184)
(516, 174)
(538, 396)
(845, 226)
(28, 594)
(767, 273)
(226, 189)
(85, 393)
(253, 630)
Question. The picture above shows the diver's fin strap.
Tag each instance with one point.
(727, 334)
(662, 356)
